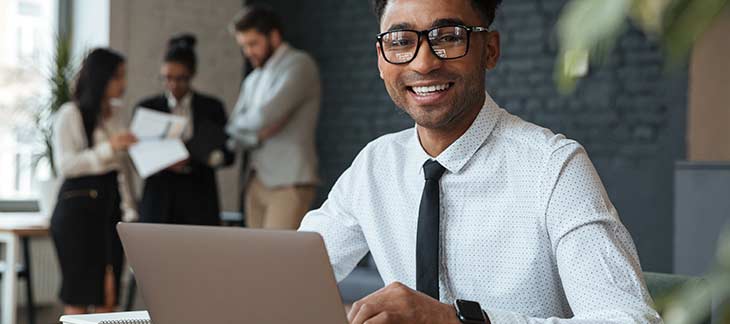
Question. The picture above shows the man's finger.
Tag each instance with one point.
(376, 297)
(381, 318)
(366, 312)
(353, 310)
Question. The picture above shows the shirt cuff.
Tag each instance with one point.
(104, 151)
(250, 140)
(497, 316)
(242, 142)
(129, 215)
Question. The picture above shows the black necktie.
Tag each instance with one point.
(427, 239)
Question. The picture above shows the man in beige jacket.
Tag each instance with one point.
(275, 120)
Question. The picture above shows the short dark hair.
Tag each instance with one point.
(256, 16)
(487, 8)
(181, 49)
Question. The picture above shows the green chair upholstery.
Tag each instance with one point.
(661, 285)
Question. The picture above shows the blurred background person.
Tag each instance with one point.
(274, 120)
(90, 143)
(187, 192)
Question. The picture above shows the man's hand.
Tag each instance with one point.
(397, 303)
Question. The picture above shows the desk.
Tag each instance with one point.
(15, 227)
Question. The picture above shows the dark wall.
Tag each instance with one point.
(629, 114)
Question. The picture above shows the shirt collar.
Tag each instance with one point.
(172, 101)
(459, 153)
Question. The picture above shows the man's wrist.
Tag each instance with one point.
(450, 315)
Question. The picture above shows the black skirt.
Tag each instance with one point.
(187, 199)
(83, 228)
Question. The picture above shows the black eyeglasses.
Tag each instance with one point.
(446, 42)
(175, 78)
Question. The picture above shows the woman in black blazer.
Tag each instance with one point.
(187, 193)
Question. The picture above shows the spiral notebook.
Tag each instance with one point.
(138, 317)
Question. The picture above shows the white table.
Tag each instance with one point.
(13, 227)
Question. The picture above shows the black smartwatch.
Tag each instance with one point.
(470, 312)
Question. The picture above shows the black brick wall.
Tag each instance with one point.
(629, 114)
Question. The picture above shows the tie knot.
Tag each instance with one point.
(432, 170)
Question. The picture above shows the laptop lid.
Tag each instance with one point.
(200, 274)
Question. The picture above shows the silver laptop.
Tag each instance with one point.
(197, 274)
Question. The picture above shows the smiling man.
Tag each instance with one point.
(474, 215)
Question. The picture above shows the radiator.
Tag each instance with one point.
(45, 272)
(47, 275)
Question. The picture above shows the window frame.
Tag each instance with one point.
(64, 24)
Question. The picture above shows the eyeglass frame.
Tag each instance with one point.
(174, 79)
(469, 30)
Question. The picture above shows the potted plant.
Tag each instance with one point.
(59, 81)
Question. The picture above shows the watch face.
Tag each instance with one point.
(469, 310)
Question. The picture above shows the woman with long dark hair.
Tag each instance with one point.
(90, 143)
(187, 193)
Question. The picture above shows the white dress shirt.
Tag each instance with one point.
(74, 157)
(183, 109)
(527, 229)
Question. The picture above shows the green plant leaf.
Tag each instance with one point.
(685, 22)
(59, 79)
(649, 14)
(584, 23)
(587, 26)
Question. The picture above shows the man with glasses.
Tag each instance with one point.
(474, 215)
(275, 120)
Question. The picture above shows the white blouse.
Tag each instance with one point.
(74, 158)
(183, 109)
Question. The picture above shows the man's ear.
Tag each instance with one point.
(380, 59)
(492, 50)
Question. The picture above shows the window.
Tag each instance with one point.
(27, 34)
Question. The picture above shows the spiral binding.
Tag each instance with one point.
(126, 321)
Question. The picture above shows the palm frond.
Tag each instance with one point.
(59, 79)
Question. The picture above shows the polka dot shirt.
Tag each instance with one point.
(527, 229)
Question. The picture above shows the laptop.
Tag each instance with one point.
(222, 275)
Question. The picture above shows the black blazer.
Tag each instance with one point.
(186, 198)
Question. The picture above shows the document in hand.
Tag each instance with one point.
(152, 124)
(152, 156)
(159, 143)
